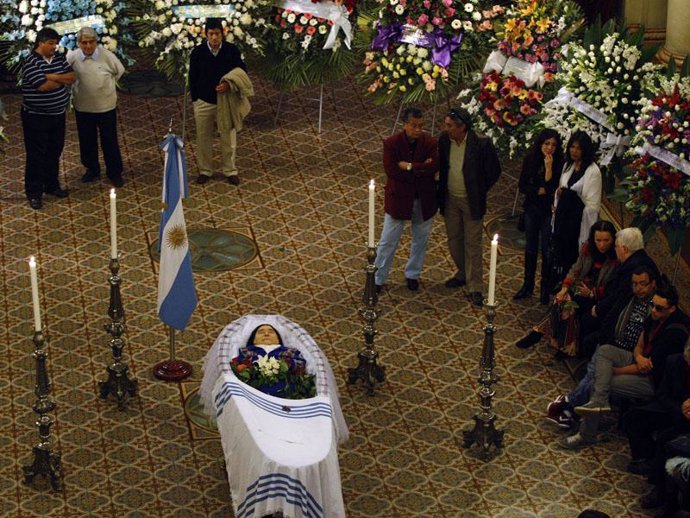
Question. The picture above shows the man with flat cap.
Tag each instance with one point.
(468, 168)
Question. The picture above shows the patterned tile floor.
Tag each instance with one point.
(303, 199)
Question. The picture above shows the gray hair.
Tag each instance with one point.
(631, 238)
(86, 32)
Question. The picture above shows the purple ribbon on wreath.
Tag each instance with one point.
(444, 46)
(386, 36)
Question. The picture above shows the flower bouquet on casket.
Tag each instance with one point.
(66, 17)
(518, 77)
(308, 42)
(279, 377)
(605, 80)
(421, 50)
(656, 188)
(172, 28)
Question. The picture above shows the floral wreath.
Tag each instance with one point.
(604, 83)
(518, 77)
(416, 51)
(66, 17)
(174, 27)
(308, 42)
(657, 187)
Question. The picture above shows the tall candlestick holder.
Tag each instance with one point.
(368, 370)
(45, 461)
(484, 432)
(118, 383)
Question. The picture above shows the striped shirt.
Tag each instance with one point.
(50, 102)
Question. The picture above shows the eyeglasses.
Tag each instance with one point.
(660, 308)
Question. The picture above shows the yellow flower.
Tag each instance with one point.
(543, 25)
(403, 88)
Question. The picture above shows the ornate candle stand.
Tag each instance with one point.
(118, 383)
(368, 370)
(485, 433)
(46, 462)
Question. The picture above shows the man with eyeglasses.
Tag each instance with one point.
(634, 375)
(410, 161)
(468, 168)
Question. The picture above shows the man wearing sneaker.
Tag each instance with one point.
(410, 161)
(45, 95)
(624, 330)
(468, 168)
(636, 375)
(208, 63)
(94, 96)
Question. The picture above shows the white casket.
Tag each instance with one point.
(280, 454)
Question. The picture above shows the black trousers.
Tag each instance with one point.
(89, 126)
(44, 139)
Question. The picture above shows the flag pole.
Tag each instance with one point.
(172, 369)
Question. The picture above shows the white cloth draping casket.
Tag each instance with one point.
(280, 454)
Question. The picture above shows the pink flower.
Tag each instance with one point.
(449, 11)
(447, 3)
(437, 21)
(423, 20)
(426, 4)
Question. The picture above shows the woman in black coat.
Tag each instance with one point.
(541, 170)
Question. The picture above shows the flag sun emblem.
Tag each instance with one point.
(176, 237)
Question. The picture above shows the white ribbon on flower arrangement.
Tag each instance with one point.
(337, 13)
(72, 26)
(616, 145)
(529, 73)
(566, 98)
(414, 35)
(203, 11)
(665, 156)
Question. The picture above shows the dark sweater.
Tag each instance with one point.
(206, 70)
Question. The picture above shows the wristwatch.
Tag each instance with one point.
(409, 166)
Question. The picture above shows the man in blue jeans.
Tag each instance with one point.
(410, 161)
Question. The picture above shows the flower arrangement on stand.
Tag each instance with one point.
(66, 17)
(518, 78)
(604, 81)
(422, 50)
(657, 186)
(308, 42)
(172, 28)
(276, 377)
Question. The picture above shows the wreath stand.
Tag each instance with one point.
(319, 99)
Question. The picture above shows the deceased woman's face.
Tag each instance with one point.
(603, 240)
(266, 335)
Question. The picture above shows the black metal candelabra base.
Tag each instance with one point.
(118, 384)
(368, 371)
(47, 463)
(484, 434)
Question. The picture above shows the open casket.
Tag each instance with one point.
(280, 454)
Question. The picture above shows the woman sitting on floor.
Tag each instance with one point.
(582, 287)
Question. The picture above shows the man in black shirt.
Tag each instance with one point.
(208, 63)
(45, 76)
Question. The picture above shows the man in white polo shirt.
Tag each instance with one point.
(95, 98)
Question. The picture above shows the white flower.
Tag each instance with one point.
(467, 26)
(456, 24)
(23, 7)
(476, 16)
(399, 9)
(291, 18)
(245, 19)
(323, 29)
(422, 52)
(166, 32)
(468, 7)
(286, 36)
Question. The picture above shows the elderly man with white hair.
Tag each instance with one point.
(95, 99)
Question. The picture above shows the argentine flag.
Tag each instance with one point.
(176, 294)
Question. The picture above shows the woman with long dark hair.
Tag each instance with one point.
(576, 204)
(541, 171)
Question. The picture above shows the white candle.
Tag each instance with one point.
(492, 271)
(372, 192)
(113, 224)
(34, 293)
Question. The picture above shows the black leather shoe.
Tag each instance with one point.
(412, 284)
(528, 341)
(524, 292)
(476, 298)
(58, 193)
(234, 180)
(202, 179)
(455, 283)
(117, 181)
(35, 203)
(379, 288)
(90, 176)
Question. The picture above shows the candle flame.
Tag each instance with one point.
(112, 193)
(495, 237)
(32, 261)
(372, 184)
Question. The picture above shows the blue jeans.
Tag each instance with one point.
(390, 237)
(580, 395)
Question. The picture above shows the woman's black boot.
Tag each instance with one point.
(528, 341)
(525, 291)
(544, 294)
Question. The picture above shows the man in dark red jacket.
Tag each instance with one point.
(469, 167)
(410, 160)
